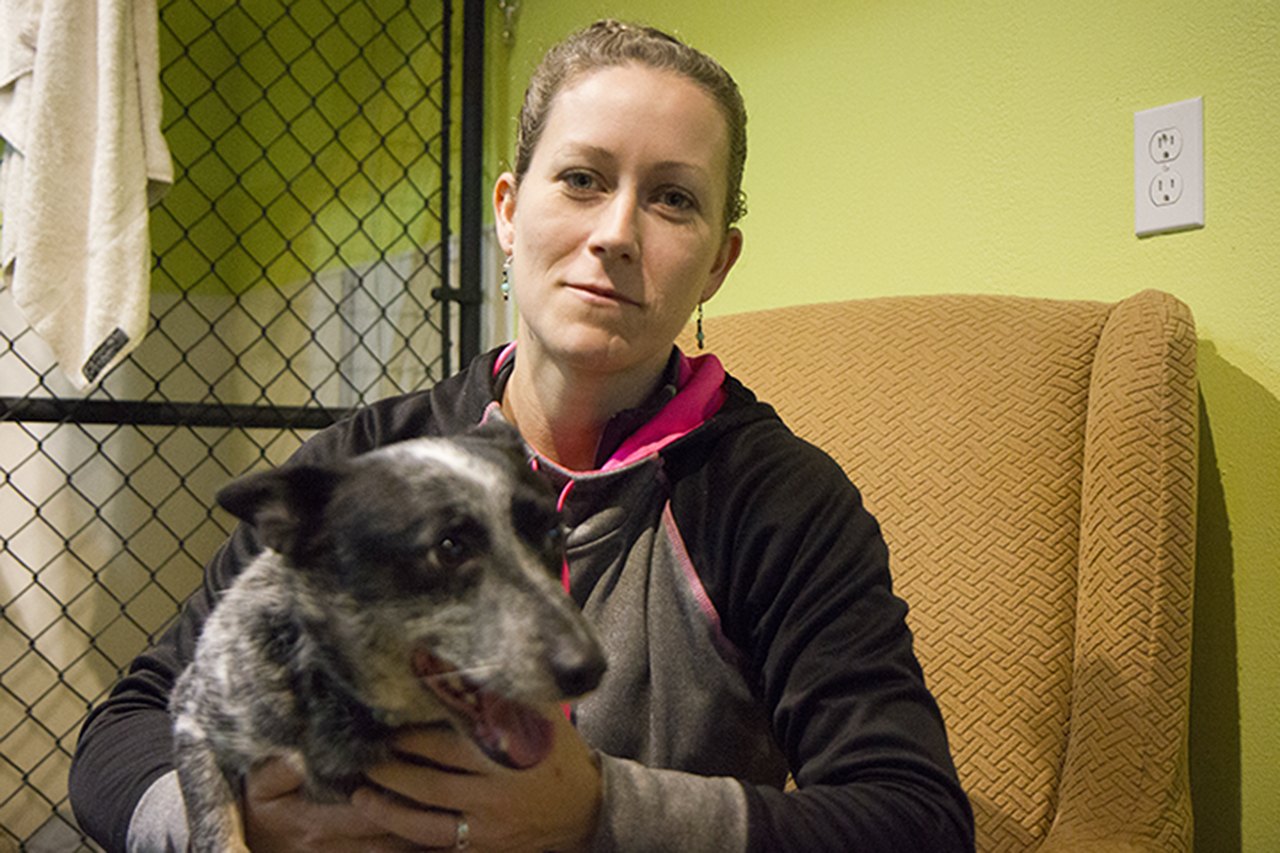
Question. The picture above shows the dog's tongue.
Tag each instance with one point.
(511, 733)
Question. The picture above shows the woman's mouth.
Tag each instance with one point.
(601, 295)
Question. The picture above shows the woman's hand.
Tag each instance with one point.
(444, 779)
(279, 817)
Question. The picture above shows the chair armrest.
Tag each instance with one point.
(1124, 782)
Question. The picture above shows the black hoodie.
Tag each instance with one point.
(743, 596)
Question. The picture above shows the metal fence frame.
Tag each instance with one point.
(105, 515)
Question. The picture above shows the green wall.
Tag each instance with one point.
(987, 147)
(299, 131)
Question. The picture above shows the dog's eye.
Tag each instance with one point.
(451, 553)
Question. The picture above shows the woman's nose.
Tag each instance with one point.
(615, 235)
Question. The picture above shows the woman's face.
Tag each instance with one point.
(617, 229)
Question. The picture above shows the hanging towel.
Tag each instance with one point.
(84, 159)
(19, 20)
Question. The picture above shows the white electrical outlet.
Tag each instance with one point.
(1168, 168)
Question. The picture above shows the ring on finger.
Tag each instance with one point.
(462, 834)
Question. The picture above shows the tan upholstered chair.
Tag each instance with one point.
(1033, 465)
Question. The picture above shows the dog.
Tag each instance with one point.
(418, 583)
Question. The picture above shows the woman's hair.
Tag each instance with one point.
(609, 43)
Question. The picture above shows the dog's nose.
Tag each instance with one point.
(577, 667)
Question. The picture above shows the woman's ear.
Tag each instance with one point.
(504, 211)
(728, 255)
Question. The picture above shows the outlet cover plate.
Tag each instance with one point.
(1168, 168)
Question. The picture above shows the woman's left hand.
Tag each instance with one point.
(445, 779)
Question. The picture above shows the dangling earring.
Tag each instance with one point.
(702, 339)
(505, 287)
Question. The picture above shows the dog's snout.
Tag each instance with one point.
(577, 666)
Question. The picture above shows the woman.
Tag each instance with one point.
(740, 589)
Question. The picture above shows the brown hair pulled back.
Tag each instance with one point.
(610, 43)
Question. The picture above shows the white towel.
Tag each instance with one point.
(19, 21)
(87, 160)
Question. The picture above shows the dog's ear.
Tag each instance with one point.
(280, 504)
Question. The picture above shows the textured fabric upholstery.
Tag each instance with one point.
(1033, 465)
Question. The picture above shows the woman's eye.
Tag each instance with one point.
(676, 200)
(579, 181)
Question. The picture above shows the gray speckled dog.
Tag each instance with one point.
(415, 584)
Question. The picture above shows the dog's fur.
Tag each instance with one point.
(414, 584)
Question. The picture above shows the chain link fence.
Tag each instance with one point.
(300, 260)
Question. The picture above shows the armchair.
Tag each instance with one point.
(1033, 465)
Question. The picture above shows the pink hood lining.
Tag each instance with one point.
(700, 395)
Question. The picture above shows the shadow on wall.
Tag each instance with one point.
(1215, 692)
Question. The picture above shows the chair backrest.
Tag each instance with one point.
(1033, 465)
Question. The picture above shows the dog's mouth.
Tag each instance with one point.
(508, 732)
